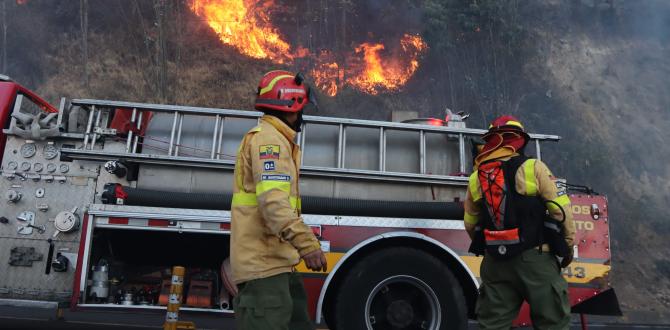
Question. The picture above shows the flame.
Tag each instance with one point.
(388, 71)
(327, 76)
(245, 25)
(370, 68)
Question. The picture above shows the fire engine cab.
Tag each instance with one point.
(102, 198)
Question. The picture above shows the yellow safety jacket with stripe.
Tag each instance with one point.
(532, 178)
(268, 236)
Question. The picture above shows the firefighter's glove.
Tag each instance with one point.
(316, 261)
(564, 262)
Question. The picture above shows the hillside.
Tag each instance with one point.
(592, 71)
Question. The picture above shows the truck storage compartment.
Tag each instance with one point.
(132, 269)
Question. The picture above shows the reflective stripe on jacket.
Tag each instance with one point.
(533, 178)
(268, 236)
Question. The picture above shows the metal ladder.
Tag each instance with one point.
(99, 119)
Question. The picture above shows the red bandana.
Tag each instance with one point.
(507, 140)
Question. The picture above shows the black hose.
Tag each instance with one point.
(310, 204)
(145, 197)
(50, 256)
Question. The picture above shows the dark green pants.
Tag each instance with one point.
(531, 276)
(274, 303)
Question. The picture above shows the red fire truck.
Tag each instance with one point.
(102, 198)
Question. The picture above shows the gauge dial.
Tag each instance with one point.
(51, 167)
(12, 165)
(28, 150)
(50, 151)
(25, 166)
(64, 168)
(38, 167)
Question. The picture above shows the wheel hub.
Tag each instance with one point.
(400, 314)
(402, 302)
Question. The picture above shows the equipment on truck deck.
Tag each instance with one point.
(199, 294)
(100, 284)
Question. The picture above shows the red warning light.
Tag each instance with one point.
(435, 122)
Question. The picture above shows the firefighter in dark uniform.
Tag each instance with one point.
(519, 218)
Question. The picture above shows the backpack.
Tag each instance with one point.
(510, 223)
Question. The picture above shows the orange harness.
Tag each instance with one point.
(494, 189)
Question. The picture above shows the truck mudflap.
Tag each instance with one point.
(604, 303)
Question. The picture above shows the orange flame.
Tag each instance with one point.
(388, 71)
(372, 67)
(327, 76)
(245, 25)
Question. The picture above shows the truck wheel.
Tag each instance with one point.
(400, 289)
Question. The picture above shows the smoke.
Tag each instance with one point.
(641, 19)
(388, 19)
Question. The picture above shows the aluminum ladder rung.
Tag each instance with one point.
(97, 107)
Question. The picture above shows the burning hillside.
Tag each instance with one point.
(371, 67)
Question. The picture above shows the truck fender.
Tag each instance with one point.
(396, 234)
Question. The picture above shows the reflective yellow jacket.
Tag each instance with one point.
(268, 236)
(533, 178)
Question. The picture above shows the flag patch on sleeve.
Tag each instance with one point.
(269, 151)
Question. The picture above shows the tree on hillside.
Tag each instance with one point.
(161, 51)
(3, 9)
(83, 18)
(479, 46)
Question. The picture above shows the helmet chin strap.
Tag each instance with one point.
(288, 103)
(296, 126)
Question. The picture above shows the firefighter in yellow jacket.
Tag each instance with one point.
(519, 218)
(268, 236)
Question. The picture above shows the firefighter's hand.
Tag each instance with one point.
(316, 261)
(567, 260)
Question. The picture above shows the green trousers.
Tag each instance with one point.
(531, 276)
(274, 303)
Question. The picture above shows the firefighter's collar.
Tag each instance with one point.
(284, 129)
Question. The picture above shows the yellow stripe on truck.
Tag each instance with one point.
(576, 272)
(473, 263)
(583, 272)
(331, 257)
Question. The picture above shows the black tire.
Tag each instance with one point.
(400, 289)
